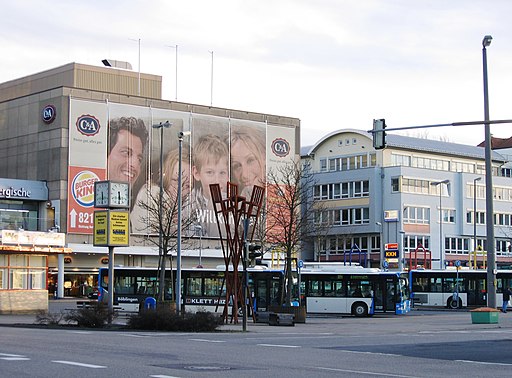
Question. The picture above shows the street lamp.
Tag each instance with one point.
(440, 189)
(489, 211)
(199, 229)
(161, 126)
(381, 236)
(181, 134)
(474, 212)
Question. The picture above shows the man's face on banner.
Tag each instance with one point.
(125, 159)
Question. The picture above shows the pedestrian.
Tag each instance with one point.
(506, 298)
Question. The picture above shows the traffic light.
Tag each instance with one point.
(379, 135)
(254, 253)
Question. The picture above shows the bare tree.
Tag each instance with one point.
(290, 213)
(166, 223)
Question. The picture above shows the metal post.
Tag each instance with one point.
(211, 82)
(110, 283)
(161, 126)
(381, 236)
(474, 212)
(489, 211)
(199, 229)
(245, 278)
(439, 187)
(178, 253)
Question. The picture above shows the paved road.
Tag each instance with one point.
(421, 344)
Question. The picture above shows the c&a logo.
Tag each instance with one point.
(49, 114)
(280, 147)
(88, 125)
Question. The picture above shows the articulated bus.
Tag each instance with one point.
(331, 289)
(203, 289)
(452, 289)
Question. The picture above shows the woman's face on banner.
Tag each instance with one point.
(246, 165)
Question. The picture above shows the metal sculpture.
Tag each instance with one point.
(230, 213)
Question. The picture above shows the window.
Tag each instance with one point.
(323, 165)
(395, 187)
(418, 215)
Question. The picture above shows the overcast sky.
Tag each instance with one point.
(332, 63)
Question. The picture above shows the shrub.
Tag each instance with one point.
(95, 316)
(163, 319)
(46, 318)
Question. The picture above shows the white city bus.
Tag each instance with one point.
(332, 289)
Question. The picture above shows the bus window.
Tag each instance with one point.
(435, 285)
(333, 288)
(359, 289)
(213, 287)
(194, 286)
(449, 285)
(315, 288)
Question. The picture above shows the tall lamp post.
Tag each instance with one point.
(181, 134)
(199, 229)
(489, 211)
(438, 184)
(474, 212)
(161, 126)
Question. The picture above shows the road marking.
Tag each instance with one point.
(373, 353)
(366, 372)
(279, 345)
(80, 364)
(208, 341)
(81, 332)
(163, 376)
(13, 357)
(485, 363)
(132, 335)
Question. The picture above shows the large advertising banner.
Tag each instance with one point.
(280, 153)
(162, 143)
(87, 161)
(128, 143)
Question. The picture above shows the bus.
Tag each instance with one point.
(203, 289)
(453, 289)
(353, 290)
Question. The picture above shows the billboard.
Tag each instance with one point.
(123, 143)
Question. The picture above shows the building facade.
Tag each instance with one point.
(61, 129)
(418, 202)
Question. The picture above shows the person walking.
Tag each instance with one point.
(506, 298)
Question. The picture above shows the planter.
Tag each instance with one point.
(299, 312)
(484, 315)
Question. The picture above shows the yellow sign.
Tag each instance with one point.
(100, 238)
(111, 228)
(119, 229)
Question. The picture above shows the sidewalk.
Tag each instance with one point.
(416, 321)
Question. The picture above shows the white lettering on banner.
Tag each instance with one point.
(205, 301)
(11, 192)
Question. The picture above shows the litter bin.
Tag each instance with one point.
(150, 303)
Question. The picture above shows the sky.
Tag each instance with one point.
(334, 64)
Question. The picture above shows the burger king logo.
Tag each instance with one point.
(280, 147)
(82, 188)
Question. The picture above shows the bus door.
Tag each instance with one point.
(476, 291)
(261, 296)
(390, 294)
(384, 294)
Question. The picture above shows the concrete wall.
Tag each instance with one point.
(23, 301)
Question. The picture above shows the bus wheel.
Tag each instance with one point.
(360, 309)
(453, 303)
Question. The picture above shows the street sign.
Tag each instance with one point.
(300, 264)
